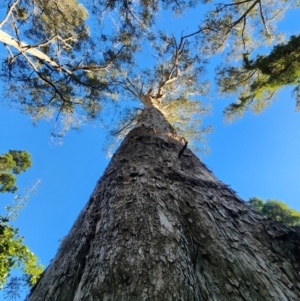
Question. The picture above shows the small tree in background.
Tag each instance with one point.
(276, 210)
(13, 252)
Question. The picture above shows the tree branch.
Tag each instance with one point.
(64, 100)
(243, 15)
(222, 5)
(9, 12)
(262, 17)
(23, 47)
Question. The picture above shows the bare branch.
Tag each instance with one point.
(243, 31)
(243, 15)
(9, 12)
(171, 77)
(263, 18)
(222, 5)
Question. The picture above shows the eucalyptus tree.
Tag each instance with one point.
(159, 225)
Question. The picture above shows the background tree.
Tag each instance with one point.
(11, 164)
(257, 203)
(13, 252)
(276, 210)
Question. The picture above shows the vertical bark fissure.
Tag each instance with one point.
(159, 227)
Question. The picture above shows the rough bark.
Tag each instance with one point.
(159, 227)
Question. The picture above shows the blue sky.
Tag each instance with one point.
(257, 155)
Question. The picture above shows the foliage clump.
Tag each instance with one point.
(13, 252)
(259, 79)
(276, 210)
(12, 163)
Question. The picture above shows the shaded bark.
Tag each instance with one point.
(159, 227)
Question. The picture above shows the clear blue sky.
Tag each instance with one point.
(257, 155)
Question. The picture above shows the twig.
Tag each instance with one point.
(9, 11)
(263, 18)
(183, 148)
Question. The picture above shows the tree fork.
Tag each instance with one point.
(162, 228)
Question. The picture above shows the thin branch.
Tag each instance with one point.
(243, 15)
(98, 68)
(243, 31)
(132, 14)
(127, 88)
(235, 85)
(9, 12)
(198, 31)
(126, 125)
(222, 5)
(39, 108)
(279, 11)
(48, 81)
(42, 44)
(263, 18)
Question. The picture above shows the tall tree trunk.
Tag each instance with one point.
(159, 226)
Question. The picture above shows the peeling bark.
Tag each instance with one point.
(158, 227)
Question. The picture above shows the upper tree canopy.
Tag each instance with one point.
(69, 61)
